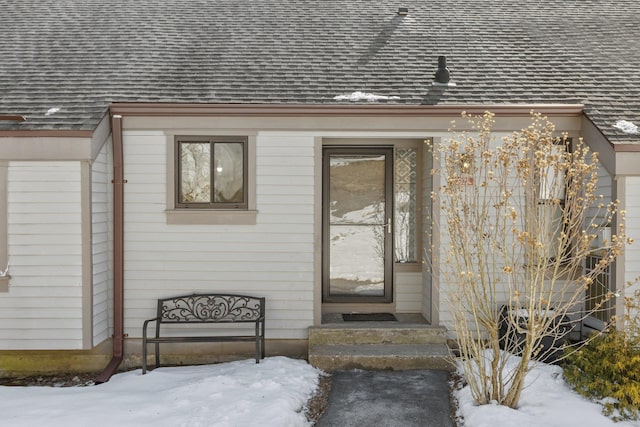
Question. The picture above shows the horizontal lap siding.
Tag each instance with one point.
(408, 292)
(273, 258)
(100, 217)
(43, 308)
(605, 182)
(604, 188)
(446, 285)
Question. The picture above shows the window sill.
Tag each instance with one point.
(211, 217)
(4, 283)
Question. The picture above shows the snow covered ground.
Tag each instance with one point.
(547, 401)
(270, 394)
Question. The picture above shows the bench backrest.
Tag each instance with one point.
(210, 308)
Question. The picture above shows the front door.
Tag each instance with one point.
(357, 224)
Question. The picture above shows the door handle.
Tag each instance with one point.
(387, 225)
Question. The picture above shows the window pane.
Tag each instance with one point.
(552, 180)
(406, 197)
(195, 169)
(550, 227)
(228, 178)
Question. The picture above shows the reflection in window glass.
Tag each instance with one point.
(552, 180)
(228, 174)
(357, 193)
(406, 202)
(550, 226)
(357, 260)
(357, 218)
(195, 179)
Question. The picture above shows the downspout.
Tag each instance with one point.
(118, 251)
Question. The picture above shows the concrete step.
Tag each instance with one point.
(376, 333)
(397, 357)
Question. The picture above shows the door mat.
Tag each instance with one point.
(369, 317)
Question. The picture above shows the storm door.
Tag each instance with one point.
(357, 230)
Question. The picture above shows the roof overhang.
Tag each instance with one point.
(54, 144)
(333, 118)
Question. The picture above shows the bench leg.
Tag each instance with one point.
(157, 354)
(257, 343)
(263, 342)
(144, 357)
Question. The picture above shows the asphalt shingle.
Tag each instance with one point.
(80, 55)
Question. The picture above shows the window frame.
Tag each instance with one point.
(418, 148)
(210, 215)
(212, 141)
(418, 145)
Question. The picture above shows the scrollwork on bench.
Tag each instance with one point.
(211, 308)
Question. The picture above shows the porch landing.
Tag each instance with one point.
(406, 344)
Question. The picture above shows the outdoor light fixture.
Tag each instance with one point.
(403, 11)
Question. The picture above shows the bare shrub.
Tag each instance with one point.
(519, 217)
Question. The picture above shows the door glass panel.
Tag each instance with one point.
(357, 264)
(357, 225)
(356, 189)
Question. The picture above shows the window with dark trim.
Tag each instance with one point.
(211, 172)
(551, 198)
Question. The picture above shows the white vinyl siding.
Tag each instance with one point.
(273, 258)
(445, 287)
(101, 244)
(408, 292)
(43, 308)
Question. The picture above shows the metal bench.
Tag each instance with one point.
(203, 309)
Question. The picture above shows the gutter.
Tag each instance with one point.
(339, 110)
(118, 251)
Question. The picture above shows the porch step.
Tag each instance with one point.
(378, 346)
(376, 333)
(397, 357)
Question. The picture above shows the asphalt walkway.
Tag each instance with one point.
(388, 399)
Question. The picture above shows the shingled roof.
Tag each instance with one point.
(79, 56)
